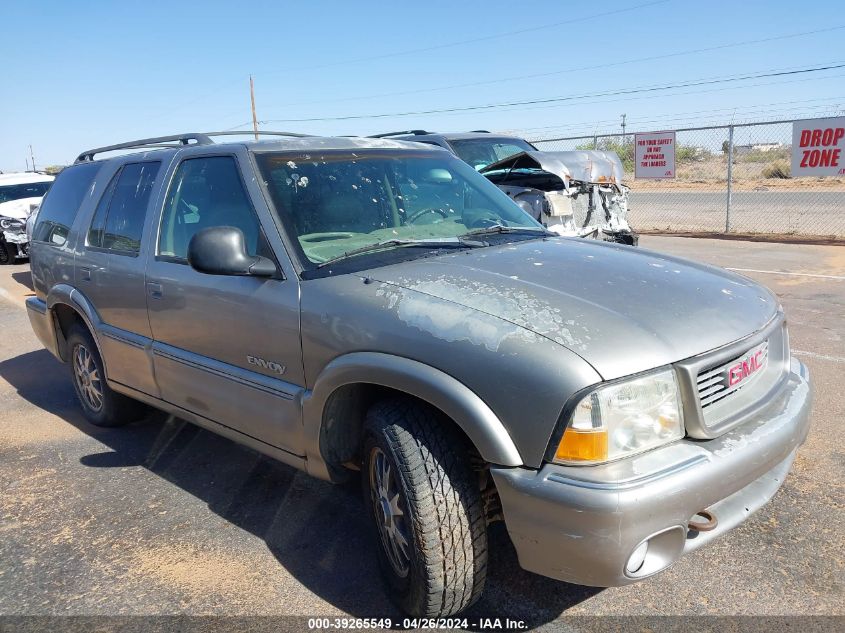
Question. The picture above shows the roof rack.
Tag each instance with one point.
(175, 140)
(482, 131)
(402, 133)
(259, 133)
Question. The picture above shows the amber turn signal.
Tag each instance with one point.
(588, 445)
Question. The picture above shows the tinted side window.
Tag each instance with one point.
(205, 192)
(62, 203)
(128, 207)
(98, 223)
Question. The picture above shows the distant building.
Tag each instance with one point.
(740, 150)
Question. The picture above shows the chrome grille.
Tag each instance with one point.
(715, 385)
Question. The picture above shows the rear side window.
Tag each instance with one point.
(62, 202)
(119, 219)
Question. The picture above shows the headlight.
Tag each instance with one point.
(10, 223)
(623, 419)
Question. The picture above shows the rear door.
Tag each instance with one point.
(226, 348)
(110, 272)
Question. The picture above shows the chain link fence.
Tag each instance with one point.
(760, 196)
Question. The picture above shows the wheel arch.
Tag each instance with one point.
(67, 306)
(333, 410)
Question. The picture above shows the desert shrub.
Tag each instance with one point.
(777, 169)
(760, 156)
(623, 148)
(691, 154)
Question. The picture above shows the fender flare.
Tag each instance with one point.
(481, 425)
(65, 294)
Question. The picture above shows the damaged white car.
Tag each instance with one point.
(20, 197)
(575, 193)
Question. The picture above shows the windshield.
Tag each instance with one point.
(480, 152)
(334, 202)
(26, 190)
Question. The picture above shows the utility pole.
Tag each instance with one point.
(623, 126)
(32, 157)
(252, 99)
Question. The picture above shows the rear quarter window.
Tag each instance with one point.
(62, 202)
(119, 219)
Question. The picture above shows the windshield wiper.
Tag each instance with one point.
(501, 228)
(449, 242)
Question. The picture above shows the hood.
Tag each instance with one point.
(19, 209)
(584, 165)
(621, 309)
(593, 166)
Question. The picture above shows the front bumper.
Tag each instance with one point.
(581, 524)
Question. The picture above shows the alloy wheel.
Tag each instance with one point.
(87, 378)
(390, 519)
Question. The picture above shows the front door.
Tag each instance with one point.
(225, 348)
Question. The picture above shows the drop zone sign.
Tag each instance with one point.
(654, 155)
(817, 147)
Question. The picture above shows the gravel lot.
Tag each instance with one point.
(165, 518)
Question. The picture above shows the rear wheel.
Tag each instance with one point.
(101, 405)
(427, 509)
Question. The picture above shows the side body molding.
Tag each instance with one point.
(470, 412)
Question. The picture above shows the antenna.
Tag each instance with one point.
(252, 99)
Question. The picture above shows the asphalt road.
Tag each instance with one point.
(801, 212)
(165, 518)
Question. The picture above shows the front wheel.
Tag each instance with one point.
(426, 507)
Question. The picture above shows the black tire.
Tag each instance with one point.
(110, 408)
(442, 517)
(8, 252)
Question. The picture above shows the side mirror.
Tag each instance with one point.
(220, 250)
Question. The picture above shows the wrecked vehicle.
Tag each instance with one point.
(574, 193)
(20, 196)
(378, 309)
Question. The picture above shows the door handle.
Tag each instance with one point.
(155, 289)
(85, 272)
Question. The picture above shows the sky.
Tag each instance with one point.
(83, 74)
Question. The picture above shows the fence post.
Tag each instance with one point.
(730, 176)
(595, 141)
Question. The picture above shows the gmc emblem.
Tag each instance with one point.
(745, 368)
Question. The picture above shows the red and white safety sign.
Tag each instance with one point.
(654, 155)
(817, 147)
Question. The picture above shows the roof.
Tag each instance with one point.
(23, 178)
(419, 135)
(331, 142)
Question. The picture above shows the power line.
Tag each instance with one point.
(629, 91)
(746, 110)
(680, 121)
(570, 70)
(417, 50)
(647, 96)
(483, 38)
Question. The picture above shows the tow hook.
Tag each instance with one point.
(704, 526)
